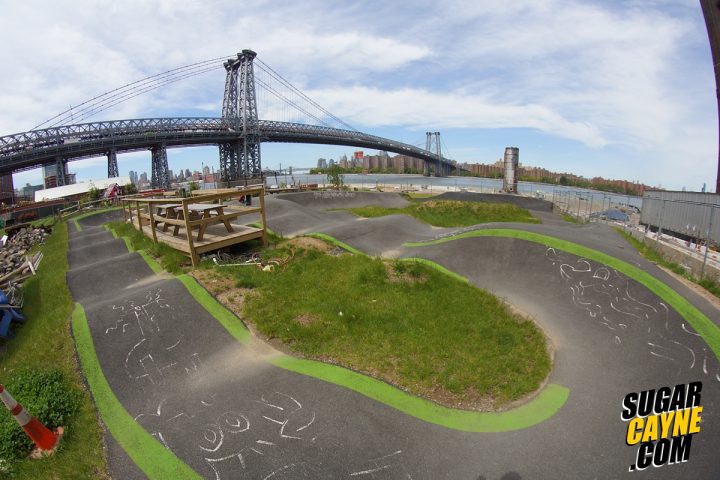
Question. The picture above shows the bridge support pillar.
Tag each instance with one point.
(160, 172)
(229, 154)
(426, 168)
(112, 164)
(60, 171)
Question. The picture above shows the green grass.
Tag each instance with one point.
(336, 242)
(703, 325)
(548, 402)
(416, 195)
(48, 221)
(653, 255)
(170, 259)
(569, 218)
(44, 342)
(423, 332)
(451, 213)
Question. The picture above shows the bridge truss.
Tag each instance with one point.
(238, 133)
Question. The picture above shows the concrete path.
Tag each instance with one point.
(221, 408)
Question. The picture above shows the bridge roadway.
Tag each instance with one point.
(26, 150)
(227, 411)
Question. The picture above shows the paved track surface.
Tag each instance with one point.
(227, 413)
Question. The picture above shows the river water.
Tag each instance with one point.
(556, 193)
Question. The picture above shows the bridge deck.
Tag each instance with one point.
(215, 237)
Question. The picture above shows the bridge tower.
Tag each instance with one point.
(426, 164)
(438, 168)
(240, 159)
(160, 172)
(112, 163)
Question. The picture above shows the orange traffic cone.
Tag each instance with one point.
(43, 437)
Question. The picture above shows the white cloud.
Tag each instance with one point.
(417, 109)
(629, 79)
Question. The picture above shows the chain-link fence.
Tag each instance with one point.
(685, 222)
(587, 206)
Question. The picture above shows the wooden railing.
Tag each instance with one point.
(156, 216)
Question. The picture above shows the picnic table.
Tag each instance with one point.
(210, 213)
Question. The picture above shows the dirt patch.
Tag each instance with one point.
(715, 301)
(307, 319)
(395, 276)
(213, 281)
(311, 244)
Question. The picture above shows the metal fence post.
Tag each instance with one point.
(660, 222)
(707, 242)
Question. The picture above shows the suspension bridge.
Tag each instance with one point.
(238, 133)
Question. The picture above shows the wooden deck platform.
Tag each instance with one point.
(199, 224)
(215, 238)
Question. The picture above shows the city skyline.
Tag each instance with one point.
(627, 91)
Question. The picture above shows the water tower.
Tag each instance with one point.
(512, 156)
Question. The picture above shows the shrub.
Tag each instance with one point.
(48, 396)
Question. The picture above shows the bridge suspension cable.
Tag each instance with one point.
(272, 74)
(283, 98)
(121, 94)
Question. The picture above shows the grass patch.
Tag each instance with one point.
(45, 343)
(432, 335)
(653, 255)
(702, 324)
(48, 221)
(452, 213)
(571, 219)
(417, 195)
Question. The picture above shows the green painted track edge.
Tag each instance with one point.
(78, 228)
(542, 407)
(437, 267)
(267, 229)
(702, 324)
(335, 241)
(149, 455)
(225, 317)
(154, 265)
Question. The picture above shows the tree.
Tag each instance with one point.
(193, 186)
(130, 189)
(94, 193)
(334, 177)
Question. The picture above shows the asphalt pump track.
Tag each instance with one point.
(188, 399)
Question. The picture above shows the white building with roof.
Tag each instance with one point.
(79, 188)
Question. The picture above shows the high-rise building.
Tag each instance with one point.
(322, 163)
(7, 190)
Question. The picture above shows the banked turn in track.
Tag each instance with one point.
(225, 411)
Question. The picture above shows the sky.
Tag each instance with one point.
(618, 89)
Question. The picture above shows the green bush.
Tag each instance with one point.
(48, 396)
